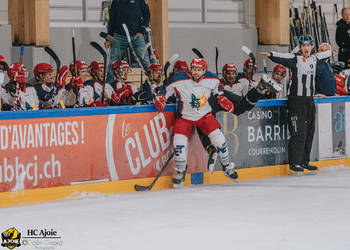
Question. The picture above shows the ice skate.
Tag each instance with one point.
(310, 168)
(212, 157)
(180, 177)
(296, 170)
(230, 172)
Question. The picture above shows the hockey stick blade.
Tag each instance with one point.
(108, 37)
(126, 32)
(172, 59)
(54, 56)
(248, 52)
(145, 49)
(197, 52)
(99, 49)
(149, 187)
(140, 188)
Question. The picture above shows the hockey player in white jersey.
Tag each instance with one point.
(44, 85)
(16, 94)
(84, 92)
(126, 93)
(97, 72)
(3, 68)
(244, 82)
(193, 90)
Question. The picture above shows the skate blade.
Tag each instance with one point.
(211, 169)
(295, 173)
(232, 179)
(311, 172)
(177, 186)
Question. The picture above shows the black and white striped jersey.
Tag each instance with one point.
(303, 70)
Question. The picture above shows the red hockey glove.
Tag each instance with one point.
(226, 103)
(126, 92)
(159, 102)
(115, 98)
(78, 82)
(21, 78)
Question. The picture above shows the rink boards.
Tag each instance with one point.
(55, 154)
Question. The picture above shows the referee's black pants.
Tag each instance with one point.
(301, 124)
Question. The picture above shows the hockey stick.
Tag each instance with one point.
(149, 187)
(145, 49)
(104, 55)
(264, 63)
(172, 59)
(216, 61)
(132, 47)
(149, 39)
(197, 52)
(74, 53)
(54, 56)
(336, 12)
(112, 40)
(251, 55)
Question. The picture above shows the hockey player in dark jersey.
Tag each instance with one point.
(301, 106)
(151, 89)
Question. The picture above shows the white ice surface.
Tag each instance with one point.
(307, 212)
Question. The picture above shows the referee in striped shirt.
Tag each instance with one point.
(301, 106)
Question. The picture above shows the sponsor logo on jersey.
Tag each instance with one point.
(198, 103)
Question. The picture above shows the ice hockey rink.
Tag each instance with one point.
(304, 212)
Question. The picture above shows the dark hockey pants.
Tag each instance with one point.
(241, 105)
(301, 124)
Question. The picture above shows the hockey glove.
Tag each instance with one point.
(78, 82)
(126, 92)
(21, 78)
(159, 102)
(226, 104)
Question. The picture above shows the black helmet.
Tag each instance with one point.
(306, 40)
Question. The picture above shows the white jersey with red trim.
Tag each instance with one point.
(241, 87)
(192, 97)
(26, 99)
(86, 95)
(98, 90)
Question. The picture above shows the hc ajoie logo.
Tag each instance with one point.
(11, 238)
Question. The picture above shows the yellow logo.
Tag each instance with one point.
(202, 101)
(11, 238)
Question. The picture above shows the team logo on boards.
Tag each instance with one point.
(11, 238)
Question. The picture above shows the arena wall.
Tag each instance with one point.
(57, 154)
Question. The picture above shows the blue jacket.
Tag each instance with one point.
(134, 13)
(325, 81)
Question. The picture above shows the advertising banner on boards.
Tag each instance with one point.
(61, 151)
